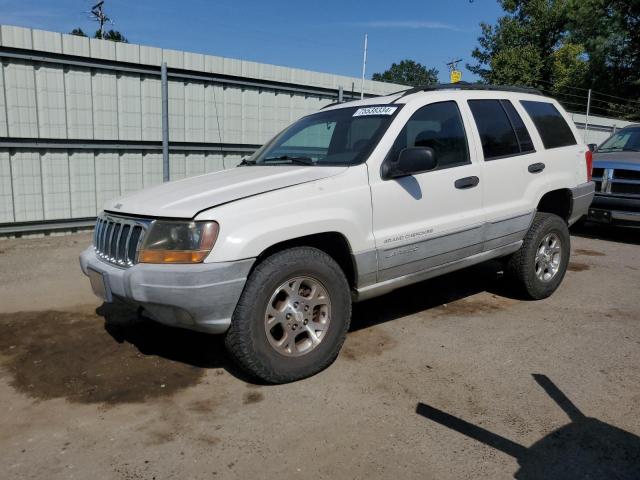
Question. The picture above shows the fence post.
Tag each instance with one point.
(586, 120)
(165, 121)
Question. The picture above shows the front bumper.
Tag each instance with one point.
(198, 297)
(582, 196)
(615, 209)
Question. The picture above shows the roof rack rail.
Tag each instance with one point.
(468, 86)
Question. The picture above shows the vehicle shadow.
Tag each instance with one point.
(485, 277)
(612, 233)
(126, 323)
(584, 448)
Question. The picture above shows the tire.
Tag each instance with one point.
(529, 270)
(288, 297)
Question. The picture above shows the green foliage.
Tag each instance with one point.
(408, 72)
(78, 32)
(563, 46)
(112, 35)
(569, 67)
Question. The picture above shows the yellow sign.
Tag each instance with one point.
(456, 76)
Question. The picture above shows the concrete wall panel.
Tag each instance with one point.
(82, 177)
(52, 113)
(105, 105)
(6, 190)
(55, 185)
(150, 90)
(27, 186)
(20, 94)
(129, 107)
(131, 172)
(194, 112)
(107, 177)
(79, 103)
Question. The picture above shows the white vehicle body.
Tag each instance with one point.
(397, 231)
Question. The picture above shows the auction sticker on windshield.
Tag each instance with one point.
(361, 112)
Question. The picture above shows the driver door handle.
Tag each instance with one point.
(467, 182)
(536, 167)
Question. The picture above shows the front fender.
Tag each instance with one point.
(339, 204)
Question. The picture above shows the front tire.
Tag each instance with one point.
(292, 317)
(541, 263)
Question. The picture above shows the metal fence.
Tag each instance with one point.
(81, 120)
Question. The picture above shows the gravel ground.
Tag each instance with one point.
(451, 378)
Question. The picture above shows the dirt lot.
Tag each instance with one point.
(451, 378)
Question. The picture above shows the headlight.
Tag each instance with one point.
(178, 242)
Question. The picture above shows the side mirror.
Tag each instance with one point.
(411, 161)
(593, 147)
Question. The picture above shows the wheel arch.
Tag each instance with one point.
(558, 202)
(334, 244)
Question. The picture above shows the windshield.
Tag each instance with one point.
(345, 136)
(626, 140)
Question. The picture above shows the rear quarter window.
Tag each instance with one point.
(551, 125)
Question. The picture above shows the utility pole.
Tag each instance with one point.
(97, 14)
(364, 67)
(586, 120)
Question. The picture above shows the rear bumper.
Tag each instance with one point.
(615, 209)
(198, 297)
(582, 196)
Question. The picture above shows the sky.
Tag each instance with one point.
(325, 36)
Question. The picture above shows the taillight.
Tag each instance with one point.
(588, 156)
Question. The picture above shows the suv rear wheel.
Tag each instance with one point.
(541, 263)
(292, 317)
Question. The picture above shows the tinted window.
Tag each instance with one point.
(552, 127)
(438, 126)
(496, 133)
(526, 145)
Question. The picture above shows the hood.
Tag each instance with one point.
(185, 198)
(629, 160)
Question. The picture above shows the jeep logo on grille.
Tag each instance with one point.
(117, 205)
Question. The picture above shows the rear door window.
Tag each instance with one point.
(526, 145)
(551, 125)
(496, 132)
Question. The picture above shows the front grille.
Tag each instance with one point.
(627, 174)
(597, 172)
(117, 239)
(617, 181)
(626, 188)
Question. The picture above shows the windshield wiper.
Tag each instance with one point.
(247, 161)
(296, 160)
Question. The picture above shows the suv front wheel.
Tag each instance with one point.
(540, 264)
(292, 317)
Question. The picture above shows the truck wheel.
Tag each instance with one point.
(540, 264)
(292, 317)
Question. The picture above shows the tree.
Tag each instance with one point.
(408, 72)
(609, 31)
(566, 47)
(112, 35)
(519, 48)
(78, 32)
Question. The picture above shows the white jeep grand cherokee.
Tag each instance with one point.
(348, 203)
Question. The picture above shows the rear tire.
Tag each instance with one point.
(292, 317)
(541, 263)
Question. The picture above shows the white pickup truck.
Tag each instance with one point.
(345, 204)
